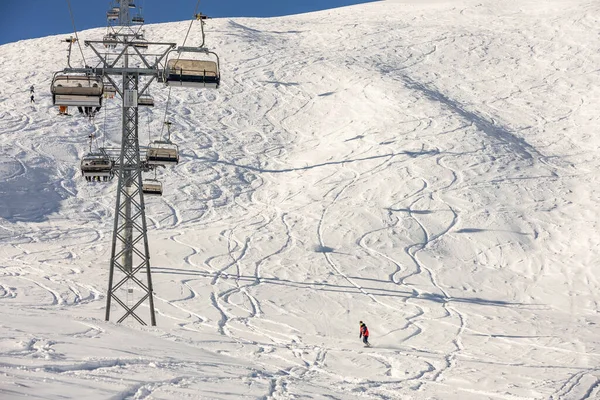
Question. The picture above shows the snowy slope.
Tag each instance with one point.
(428, 167)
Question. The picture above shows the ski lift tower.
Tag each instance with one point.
(130, 255)
(130, 280)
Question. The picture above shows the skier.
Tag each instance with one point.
(32, 99)
(31, 89)
(364, 334)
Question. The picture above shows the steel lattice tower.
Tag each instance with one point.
(130, 253)
(130, 280)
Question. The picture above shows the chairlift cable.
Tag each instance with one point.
(148, 124)
(93, 138)
(166, 111)
(191, 23)
(95, 134)
(104, 136)
(75, 30)
(96, 139)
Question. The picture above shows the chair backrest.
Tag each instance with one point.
(152, 187)
(192, 67)
(77, 85)
(162, 152)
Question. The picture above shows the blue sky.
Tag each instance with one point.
(26, 19)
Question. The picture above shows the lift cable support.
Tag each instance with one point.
(130, 229)
(70, 40)
(75, 31)
(129, 275)
(130, 256)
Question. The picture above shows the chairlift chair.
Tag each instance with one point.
(137, 20)
(97, 166)
(145, 100)
(188, 72)
(109, 90)
(141, 45)
(77, 90)
(152, 187)
(109, 41)
(162, 153)
(113, 14)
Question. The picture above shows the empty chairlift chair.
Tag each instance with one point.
(145, 100)
(97, 166)
(187, 72)
(152, 187)
(162, 153)
(77, 90)
(141, 45)
(137, 20)
(113, 14)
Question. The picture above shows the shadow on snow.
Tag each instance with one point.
(31, 196)
(412, 154)
(328, 287)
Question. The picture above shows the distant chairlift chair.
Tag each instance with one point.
(109, 91)
(162, 153)
(109, 41)
(97, 166)
(141, 45)
(113, 14)
(152, 187)
(145, 100)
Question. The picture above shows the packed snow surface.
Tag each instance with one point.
(428, 167)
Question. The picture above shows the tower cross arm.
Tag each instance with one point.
(170, 45)
(158, 60)
(115, 71)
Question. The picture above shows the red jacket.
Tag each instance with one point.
(364, 331)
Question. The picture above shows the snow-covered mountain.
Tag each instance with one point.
(429, 167)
